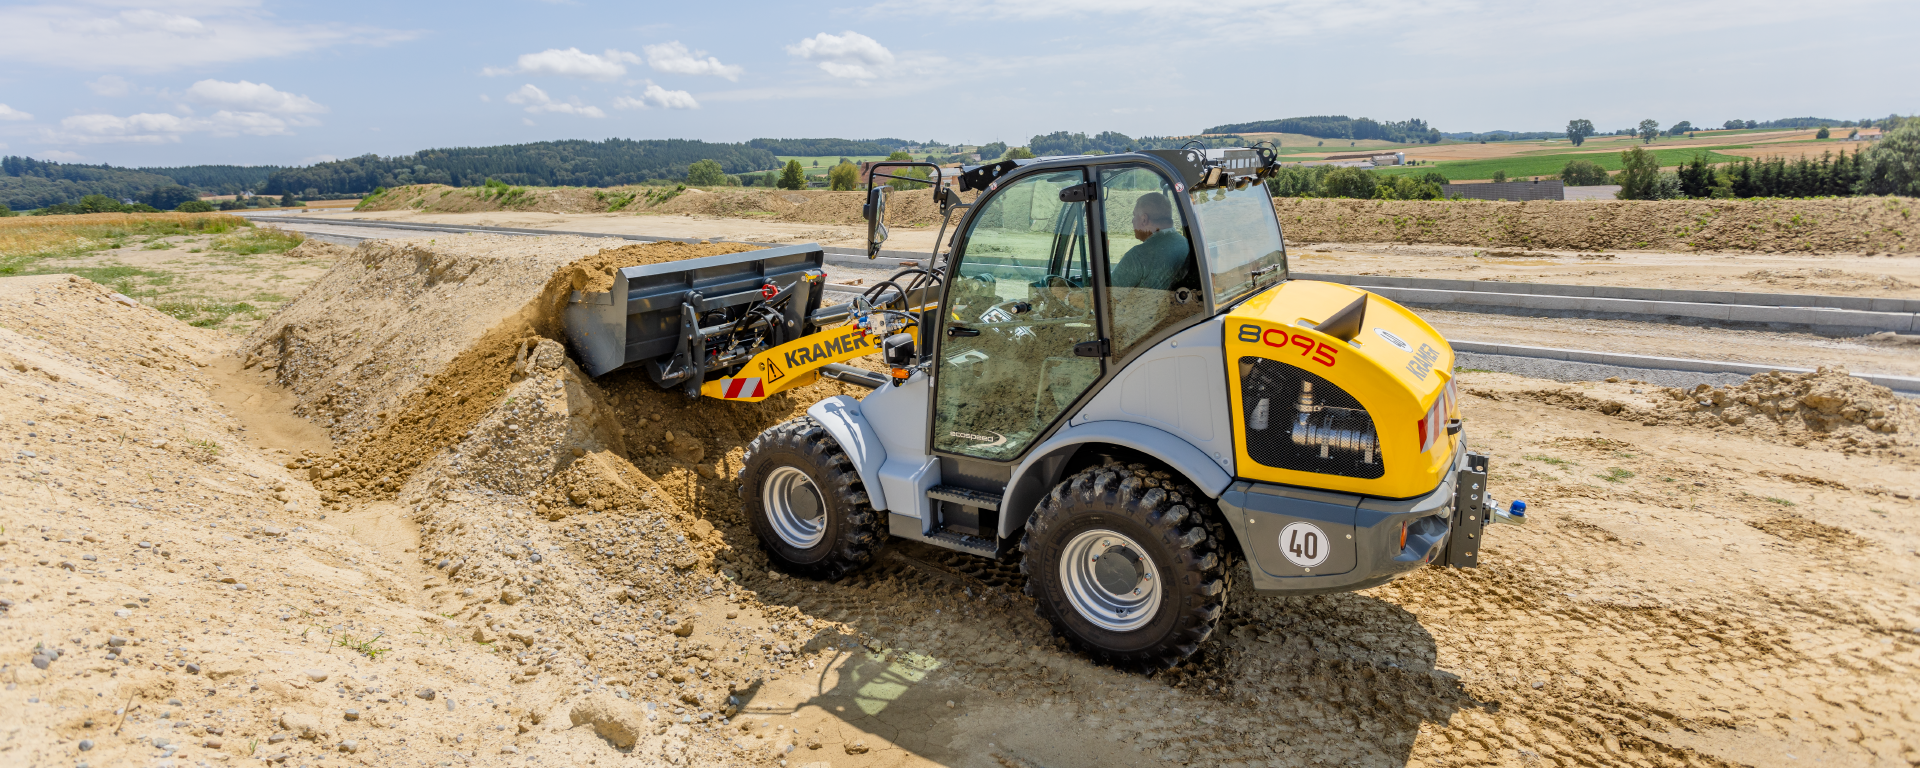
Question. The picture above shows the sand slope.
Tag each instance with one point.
(567, 565)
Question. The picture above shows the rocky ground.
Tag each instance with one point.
(397, 526)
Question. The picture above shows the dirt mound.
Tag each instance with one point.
(514, 465)
(445, 199)
(462, 315)
(1850, 225)
(316, 249)
(209, 620)
(1823, 280)
(1827, 407)
(913, 208)
(595, 273)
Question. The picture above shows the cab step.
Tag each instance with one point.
(965, 497)
(964, 543)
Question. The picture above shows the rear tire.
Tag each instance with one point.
(1126, 564)
(805, 502)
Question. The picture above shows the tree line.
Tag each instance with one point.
(1334, 181)
(1061, 143)
(573, 163)
(828, 147)
(1889, 167)
(26, 183)
(1413, 131)
(220, 179)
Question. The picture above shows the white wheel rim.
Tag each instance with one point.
(794, 507)
(1110, 580)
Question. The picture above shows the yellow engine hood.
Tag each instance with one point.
(1397, 367)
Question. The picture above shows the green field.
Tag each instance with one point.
(1546, 165)
(827, 161)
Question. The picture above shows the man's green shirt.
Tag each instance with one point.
(1158, 262)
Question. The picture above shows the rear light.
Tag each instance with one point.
(1434, 424)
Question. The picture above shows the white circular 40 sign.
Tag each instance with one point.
(1304, 544)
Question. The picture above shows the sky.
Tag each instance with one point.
(186, 82)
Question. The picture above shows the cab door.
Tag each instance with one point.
(1019, 329)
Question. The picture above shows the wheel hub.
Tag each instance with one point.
(1109, 580)
(794, 508)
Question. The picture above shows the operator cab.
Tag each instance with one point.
(1072, 266)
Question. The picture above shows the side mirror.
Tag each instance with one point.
(876, 213)
(898, 350)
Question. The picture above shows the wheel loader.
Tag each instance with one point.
(1107, 375)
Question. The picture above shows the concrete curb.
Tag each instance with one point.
(1809, 300)
(1897, 383)
(1842, 321)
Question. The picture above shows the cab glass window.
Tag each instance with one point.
(1020, 298)
(1243, 248)
(1151, 277)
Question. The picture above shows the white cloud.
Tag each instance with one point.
(656, 96)
(78, 34)
(110, 85)
(162, 128)
(251, 97)
(61, 155)
(9, 113)
(853, 56)
(537, 101)
(674, 57)
(571, 62)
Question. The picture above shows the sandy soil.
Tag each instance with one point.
(1834, 275)
(1707, 580)
(1857, 225)
(673, 225)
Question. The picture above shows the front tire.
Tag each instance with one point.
(805, 502)
(1126, 565)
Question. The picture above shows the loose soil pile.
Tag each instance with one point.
(594, 273)
(913, 208)
(1825, 408)
(1828, 281)
(1852, 225)
(1849, 225)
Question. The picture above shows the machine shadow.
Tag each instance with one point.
(1340, 679)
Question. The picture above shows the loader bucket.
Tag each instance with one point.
(654, 314)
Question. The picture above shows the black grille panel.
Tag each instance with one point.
(1337, 437)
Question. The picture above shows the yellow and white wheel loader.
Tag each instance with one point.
(1108, 376)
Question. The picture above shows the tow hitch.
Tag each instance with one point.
(1473, 509)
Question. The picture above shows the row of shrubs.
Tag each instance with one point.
(105, 204)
